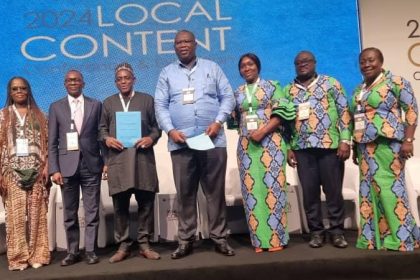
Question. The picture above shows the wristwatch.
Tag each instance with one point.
(409, 139)
(219, 122)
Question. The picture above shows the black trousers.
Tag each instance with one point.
(316, 168)
(191, 167)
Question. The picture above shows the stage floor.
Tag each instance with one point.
(297, 261)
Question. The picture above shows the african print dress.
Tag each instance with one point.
(26, 210)
(386, 219)
(262, 166)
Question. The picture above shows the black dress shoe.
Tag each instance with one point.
(339, 241)
(70, 259)
(224, 249)
(317, 240)
(91, 258)
(183, 250)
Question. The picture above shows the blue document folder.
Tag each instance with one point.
(128, 125)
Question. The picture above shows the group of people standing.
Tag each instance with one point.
(307, 124)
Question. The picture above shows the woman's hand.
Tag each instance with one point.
(45, 174)
(257, 135)
(407, 150)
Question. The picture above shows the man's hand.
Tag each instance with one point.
(57, 178)
(113, 143)
(144, 143)
(177, 136)
(213, 129)
(105, 172)
(291, 159)
(343, 151)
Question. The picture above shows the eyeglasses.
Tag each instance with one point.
(15, 89)
(303, 61)
(180, 42)
(74, 80)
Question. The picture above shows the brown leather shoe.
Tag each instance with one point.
(119, 256)
(149, 254)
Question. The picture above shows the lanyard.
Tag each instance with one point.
(250, 94)
(125, 107)
(20, 118)
(190, 73)
(367, 89)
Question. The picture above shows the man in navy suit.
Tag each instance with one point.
(75, 163)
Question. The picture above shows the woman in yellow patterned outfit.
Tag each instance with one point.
(23, 178)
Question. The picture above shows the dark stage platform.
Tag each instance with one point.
(298, 261)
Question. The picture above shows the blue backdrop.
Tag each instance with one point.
(41, 40)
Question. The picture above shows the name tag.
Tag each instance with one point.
(359, 122)
(72, 141)
(188, 95)
(22, 147)
(303, 111)
(251, 122)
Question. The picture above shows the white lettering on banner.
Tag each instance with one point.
(161, 41)
(139, 7)
(100, 18)
(79, 46)
(35, 38)
(164, 46)
(143, 40)
(76, 36)
(155, 9)
(106, 39)
(218, 15)
(201, 12)
(197, 10)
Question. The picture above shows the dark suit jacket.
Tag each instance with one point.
(59, 121)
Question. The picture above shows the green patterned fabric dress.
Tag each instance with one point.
(262, 166)
(386, 220)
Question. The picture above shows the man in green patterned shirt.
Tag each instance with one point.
(320, 144)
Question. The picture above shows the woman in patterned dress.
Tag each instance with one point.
(23, 177)
(384, 143)
(260, 109)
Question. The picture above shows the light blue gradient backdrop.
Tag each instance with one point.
(274, 30)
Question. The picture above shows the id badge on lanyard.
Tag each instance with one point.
(251, 122)
(304, 110)
(22, 147)
(188, 95)
(359, 122)
(72, 139)
(22, 143)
